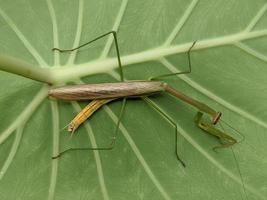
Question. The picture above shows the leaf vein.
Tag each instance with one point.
(138, 154)
(54, 171)
(115, 28)
(78, 34)
(12, 152)
(181, 22)
(55, 30)
(96, 154)
(217, 164)
(213, 96)
(101, 66)
(23, 39)
(251, 51)
(256, 19)
(25, 114)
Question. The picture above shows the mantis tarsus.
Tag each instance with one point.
(103, 93)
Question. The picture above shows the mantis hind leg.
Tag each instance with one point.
(209, 128)
(153, 105)
(113, 139)
(95, 39)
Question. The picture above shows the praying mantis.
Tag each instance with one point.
(103, 93)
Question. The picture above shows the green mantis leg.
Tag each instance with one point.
(210, 129)
(178, 73)
(153, 105)
(97, 38)
(113, 139)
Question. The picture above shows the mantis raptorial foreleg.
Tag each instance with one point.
(209, 128)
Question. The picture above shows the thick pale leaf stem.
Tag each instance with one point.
(22, 68)
(70, 73)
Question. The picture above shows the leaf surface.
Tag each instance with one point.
(228, 73)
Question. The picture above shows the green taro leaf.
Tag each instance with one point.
(229, 73)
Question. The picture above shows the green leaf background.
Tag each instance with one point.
(229, 74)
